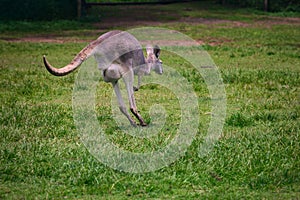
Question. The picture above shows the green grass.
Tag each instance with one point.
(257, 156)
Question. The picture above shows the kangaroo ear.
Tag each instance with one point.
(149, 49)
(156, 51)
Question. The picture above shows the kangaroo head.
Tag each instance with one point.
(153, 61)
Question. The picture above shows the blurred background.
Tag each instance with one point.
(74, 9)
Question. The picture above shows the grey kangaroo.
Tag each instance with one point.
(119, 55)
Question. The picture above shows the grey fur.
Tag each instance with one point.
(119, 55)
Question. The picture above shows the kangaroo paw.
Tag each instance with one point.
(143, 124)
(135, 88)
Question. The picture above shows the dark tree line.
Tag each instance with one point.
(71, 9)
(37, 9)
(266, 5)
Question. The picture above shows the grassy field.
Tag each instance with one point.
(257, 156)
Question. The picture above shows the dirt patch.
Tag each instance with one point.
(266, 22)
(33, 39)
(214, 41)
(44, 39)
(130, 23)
(125, 23)
(207, 21)
(270, 21)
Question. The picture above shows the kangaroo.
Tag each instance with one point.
(119, 55)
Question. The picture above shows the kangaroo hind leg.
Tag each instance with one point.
(128, 80)
(122, 106)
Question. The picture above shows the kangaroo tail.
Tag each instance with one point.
(85, 53)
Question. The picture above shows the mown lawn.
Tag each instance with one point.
(256, 157)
